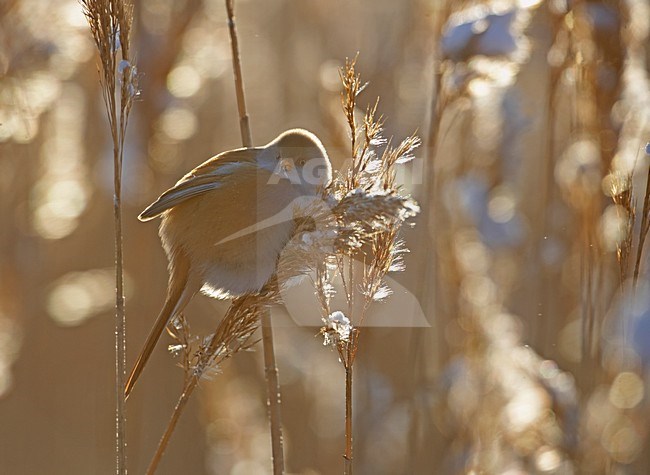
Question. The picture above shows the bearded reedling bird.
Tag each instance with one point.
(225, 223)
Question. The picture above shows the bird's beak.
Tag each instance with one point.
(286, 165)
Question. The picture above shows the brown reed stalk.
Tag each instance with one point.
(347, 353)
(270, 366)
(441, 101)
(543, 229)
(428, 290)
(643, 232)
(244, 125)
(110, 24)
(352, 87)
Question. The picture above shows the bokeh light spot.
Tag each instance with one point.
(184, 81)
(626, 391)
(78, 296)
(179, 123)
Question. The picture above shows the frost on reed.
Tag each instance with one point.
(357, 220)
(202, 357)
(110, 24)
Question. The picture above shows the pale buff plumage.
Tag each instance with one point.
(225, 223)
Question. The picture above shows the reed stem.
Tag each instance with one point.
(270, 367)
(645, 226)
(347, 458)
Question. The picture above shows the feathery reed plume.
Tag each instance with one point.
(367, 214)
(110, 24)
(203, 357)
(357, 218)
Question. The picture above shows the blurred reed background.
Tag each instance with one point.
(526, 258)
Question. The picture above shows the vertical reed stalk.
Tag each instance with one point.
(428, 292)
(347, 353)
(270, 366)
(643, 232)
(120, 323)
(347, 464)
(110, 24)
(244, 126)
(274, 402)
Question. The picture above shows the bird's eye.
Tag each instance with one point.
(301, 162)
(278, 157)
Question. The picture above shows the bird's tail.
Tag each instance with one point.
(179, 293)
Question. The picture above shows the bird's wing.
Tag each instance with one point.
(210, 175)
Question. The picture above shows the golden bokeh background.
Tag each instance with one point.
(535, 358)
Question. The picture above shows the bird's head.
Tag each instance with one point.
(298, 156)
